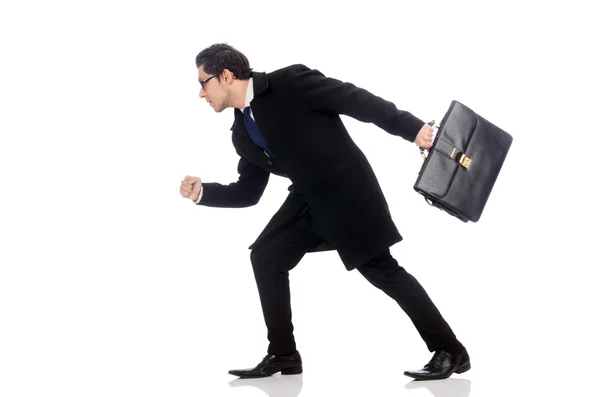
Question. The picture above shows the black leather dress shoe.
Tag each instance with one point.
(442, 365)
(270, 365)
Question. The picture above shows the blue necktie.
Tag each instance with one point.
(255, 133)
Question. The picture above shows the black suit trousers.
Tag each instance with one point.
(272, 261)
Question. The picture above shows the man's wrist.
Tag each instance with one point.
(199, 196)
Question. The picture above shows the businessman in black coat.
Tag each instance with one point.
(287, 123)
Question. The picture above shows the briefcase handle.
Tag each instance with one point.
(422, 149)
(455, 154)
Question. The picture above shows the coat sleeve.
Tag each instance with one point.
(246, 192)
(330, 95)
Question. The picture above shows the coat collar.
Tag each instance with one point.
(261, 83)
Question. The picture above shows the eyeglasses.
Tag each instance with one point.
(203, 82)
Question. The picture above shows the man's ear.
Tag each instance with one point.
(227, 76)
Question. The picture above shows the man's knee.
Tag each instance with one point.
(383, 264)
(265, 259)
(258, 257)
(384, 260)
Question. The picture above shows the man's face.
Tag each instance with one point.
(216, 94)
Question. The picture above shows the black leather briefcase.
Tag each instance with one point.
(462, 166)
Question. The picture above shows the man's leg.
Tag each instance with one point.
(271, 263)
(450, 355)
(384, 273)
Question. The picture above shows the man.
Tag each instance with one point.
(287, 123)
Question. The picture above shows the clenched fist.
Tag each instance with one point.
(425, 137)
(190, 187)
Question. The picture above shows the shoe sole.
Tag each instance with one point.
(287, 371)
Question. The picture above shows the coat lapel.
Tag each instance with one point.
(244, 144)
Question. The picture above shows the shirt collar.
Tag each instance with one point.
(249, 92)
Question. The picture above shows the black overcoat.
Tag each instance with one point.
(298, 110)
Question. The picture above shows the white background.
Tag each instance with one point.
(113, 284)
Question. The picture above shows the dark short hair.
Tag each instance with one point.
(218, 57)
